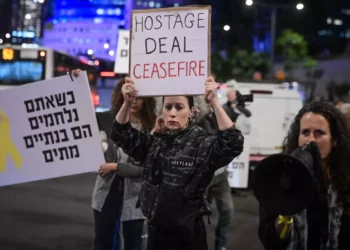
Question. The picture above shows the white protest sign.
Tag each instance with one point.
(121, 65)
(48, 129)
(238, 169)
(170, 50)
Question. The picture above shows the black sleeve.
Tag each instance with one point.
(267, 231)
(133, 142)
(244, 111)
(220, 150)
(98, 116)
(128, 170)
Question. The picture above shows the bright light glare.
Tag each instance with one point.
(226, 28)
(338, 22)
(300, 6)
(249, 2)
(106, 45)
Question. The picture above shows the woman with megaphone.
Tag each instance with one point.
(316, 210)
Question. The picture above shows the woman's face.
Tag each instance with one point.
(136, 106)
(176, 112)
(315, 127)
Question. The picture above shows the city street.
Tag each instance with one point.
(276, 70)
(56, 214)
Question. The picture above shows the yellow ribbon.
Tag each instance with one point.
(286, 222)
(6, 144)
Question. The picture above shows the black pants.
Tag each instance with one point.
(158, 240)
(132, 234)
(106, 220)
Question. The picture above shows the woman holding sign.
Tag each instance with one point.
(179, 162)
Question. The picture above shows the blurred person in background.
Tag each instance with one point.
(339, 104)
(233, 110)
(219, 188)
(345, 110)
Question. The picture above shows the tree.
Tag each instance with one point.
(309, 66)
(239, 64)
(293, 49)
(220, 67)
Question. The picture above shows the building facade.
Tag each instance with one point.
(26, 21)
(84, 27)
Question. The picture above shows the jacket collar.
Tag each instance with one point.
(177, 137)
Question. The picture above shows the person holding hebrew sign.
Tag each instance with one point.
(179, 163)
(119, 167)
(119, 180)
(325, 222)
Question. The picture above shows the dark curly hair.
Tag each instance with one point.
(340, 155)
(147, 112)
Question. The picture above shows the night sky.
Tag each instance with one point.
(243, 19)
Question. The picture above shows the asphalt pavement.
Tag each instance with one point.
(56, 214)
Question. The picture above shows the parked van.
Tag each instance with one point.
(273, 109)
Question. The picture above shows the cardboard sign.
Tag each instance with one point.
(121, 65)
(170, 50)
(48, 129)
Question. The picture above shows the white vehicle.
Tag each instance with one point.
(273, 109)
(25, 64)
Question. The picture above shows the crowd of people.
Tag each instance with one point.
(164, 168)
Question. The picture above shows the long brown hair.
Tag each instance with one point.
(340, 154)
(147, 112)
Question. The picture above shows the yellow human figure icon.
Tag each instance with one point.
(6, 144)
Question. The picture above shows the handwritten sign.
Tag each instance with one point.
(48, 129)
(121, 65)
(170, 50)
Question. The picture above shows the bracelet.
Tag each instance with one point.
(286, 222)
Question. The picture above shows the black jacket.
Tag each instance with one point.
(177, 170)
(188, 158)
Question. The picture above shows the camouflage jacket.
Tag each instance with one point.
(187, 160)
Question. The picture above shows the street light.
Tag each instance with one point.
(274, 8)
(249, 2)
(227, 28)
(300, 6)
